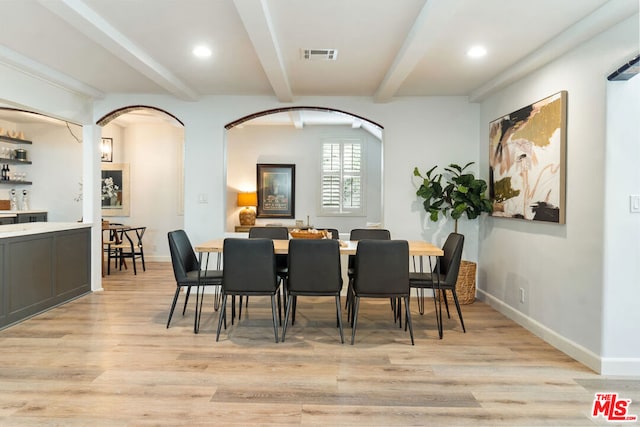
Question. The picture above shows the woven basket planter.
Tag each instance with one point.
(466, 284)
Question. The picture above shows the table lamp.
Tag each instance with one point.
(247, 200)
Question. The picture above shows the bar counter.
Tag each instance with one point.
(42, 265)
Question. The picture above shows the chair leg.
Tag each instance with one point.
(222, 315)
(216, 298)
(420, 295)
(240, 309)
(295, 305)
(273, 312)
(408, 318)
(173, 305)
(339, 314)
(186, 300)
(144, 268)
(286, 316)
(446, 304)
(355, 318)
(455, 299)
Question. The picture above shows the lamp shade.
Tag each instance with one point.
(248, 199)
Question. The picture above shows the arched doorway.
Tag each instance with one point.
(150, 143)
(296, 135)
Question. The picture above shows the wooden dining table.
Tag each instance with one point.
(417, 248)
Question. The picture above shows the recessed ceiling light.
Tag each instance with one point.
(476, 52)
(202, 51)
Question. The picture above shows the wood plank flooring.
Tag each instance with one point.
(106, 359)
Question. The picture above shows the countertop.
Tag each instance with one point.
(9, 214)
(14, 230)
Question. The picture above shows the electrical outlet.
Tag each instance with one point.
(521, 295)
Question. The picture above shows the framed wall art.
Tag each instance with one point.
(276, 190)
(114, 183)
(527, 161)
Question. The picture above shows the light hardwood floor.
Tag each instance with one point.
(106, 359)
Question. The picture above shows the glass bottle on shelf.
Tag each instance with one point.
(13, 199)
(25, 200)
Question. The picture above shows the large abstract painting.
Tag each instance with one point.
(527, 161)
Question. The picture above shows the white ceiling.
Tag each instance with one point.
(386, 48)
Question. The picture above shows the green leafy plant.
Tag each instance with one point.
(462, 193)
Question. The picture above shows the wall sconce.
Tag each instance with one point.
(106, 150)
(247, 200)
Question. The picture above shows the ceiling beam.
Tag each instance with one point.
(434, 15)
(257, 23)
(296, 118)
(94, 26)
(36, 69)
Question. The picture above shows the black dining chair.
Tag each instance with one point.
(186, 270)
(335, 234)
(314, 270)
(449, 266)
(274, 233)
(355, 235)
(130, 246)
(249, 269)
(381, 270)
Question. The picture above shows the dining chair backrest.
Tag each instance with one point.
(335, 234)
(276, 233)
(369, 233)
(249, 266)
(183, 257)
(133, 236)
(450, 261)
(314, 266)
(381, 268)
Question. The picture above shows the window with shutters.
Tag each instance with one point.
(342, 191)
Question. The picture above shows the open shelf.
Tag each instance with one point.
(14, 140)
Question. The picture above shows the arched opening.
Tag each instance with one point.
(149, 143)
(301, 136)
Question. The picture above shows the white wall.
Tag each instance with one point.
(560, 267)
(154, 153)
(417, 132)
(249, 145)
(620, 347)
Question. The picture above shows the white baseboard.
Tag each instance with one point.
(573, 350)
(620, 366)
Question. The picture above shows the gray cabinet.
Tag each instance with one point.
(40, 271)
(7, 220)
(31, 217)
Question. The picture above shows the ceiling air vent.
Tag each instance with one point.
(320, 54)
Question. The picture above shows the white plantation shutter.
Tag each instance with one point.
(342, 182)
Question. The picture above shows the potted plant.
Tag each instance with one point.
(461, 193)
